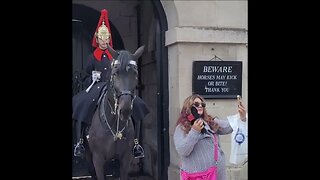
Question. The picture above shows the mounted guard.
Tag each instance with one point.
(97, 80)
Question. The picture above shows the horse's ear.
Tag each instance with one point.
(113, 52)
(138, 52)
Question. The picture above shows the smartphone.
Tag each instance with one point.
(239, 100)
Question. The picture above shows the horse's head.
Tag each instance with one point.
(124, 79)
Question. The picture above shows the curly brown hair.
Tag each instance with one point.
(186, 110)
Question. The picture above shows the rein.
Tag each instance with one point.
(117, 134)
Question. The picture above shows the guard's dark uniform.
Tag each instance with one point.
(84, 103)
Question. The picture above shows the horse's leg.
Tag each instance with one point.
(88, 155)
(99, 162)
(124, 166)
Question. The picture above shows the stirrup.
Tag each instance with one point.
(79, 149)
(137, 150)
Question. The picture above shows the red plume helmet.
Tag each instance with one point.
(103, 29)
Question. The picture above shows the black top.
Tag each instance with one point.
(104, 66)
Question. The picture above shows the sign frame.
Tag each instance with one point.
(217, 79)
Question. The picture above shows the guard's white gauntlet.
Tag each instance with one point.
(95, 78)
(96, 75)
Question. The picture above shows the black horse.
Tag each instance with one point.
(111, 134)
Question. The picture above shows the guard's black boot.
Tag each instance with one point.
(137, 150)
(79, 149)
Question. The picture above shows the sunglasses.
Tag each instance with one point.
(197, 104)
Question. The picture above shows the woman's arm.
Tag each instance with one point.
(224, 126)
(185, 143)
(226, 130)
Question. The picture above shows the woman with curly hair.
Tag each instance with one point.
(196, 138)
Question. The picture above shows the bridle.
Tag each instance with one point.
(114, 107)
